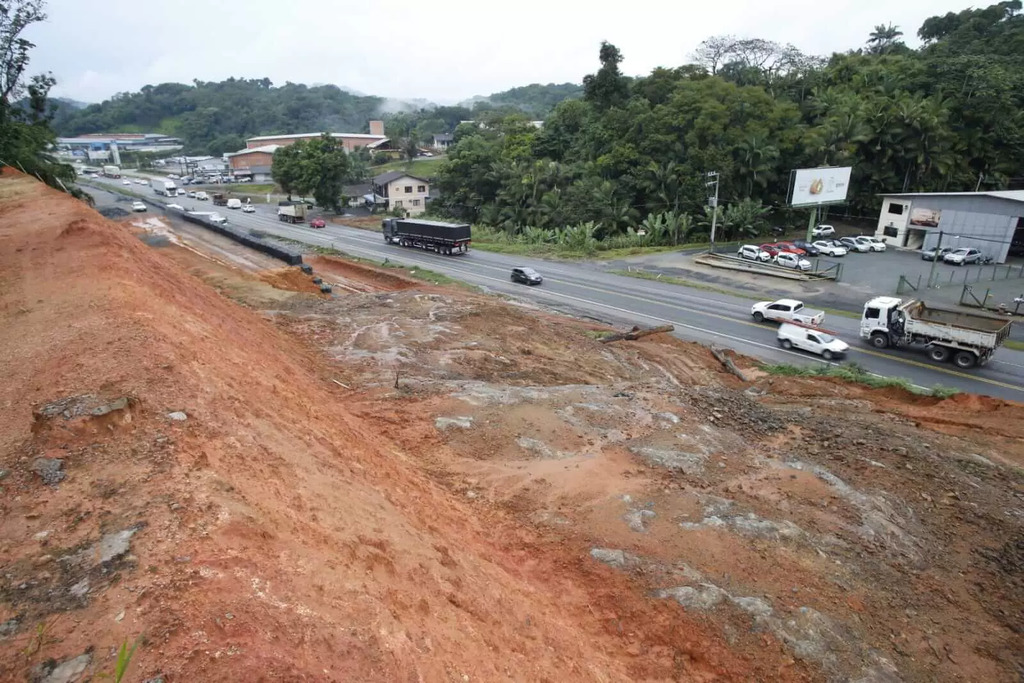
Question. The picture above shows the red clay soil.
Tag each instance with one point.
(273, 534)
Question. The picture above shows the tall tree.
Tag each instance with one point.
(884, 38)
(608, 87)
(25, 134)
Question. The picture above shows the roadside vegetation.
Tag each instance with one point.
(851, 372)
(944, 117)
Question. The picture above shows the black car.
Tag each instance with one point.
(528, 276)
(806, 246)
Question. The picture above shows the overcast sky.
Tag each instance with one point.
(441, 50)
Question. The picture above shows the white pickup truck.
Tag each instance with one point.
(786, 311)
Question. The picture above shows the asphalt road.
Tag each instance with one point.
(581, 290)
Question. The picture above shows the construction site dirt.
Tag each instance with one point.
(204, 454)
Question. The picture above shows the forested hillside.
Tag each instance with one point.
(536, 100)
(947, 116)
(216, 117)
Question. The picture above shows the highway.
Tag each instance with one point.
(582, 290)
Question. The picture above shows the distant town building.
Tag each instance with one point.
(253, 163)
(350, 141)
(443, 141)
(104, 146)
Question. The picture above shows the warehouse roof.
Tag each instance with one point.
(1012, 195)
(293, 136)
(267, 149)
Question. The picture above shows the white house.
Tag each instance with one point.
(399, 190)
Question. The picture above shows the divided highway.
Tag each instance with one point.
(583, 290)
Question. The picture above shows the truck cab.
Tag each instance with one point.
(882, 321)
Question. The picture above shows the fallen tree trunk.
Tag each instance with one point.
(636, 333)
(727, 363)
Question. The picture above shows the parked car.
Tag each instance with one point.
(792, 336)
(318, 223)
(875, 243)
(178, 207)
(790, 248)
(191, 194)
(830, 248)
(138, 206)
(789, 260)
(527, 276)
(932, 254)
(852, 244)
(823, 231)
(754, 253)
(248, 208)
(772, 249)
(962, 256)
(808, 248)
(126, 182)
(786, 310)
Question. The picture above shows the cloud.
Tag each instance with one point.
(443, 51)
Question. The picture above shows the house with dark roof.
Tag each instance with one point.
(442, 141)
(400, 190)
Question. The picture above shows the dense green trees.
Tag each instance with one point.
(945, 117)
(25, 133)
(316, 166)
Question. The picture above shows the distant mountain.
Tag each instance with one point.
(67, 101)
(535, 99)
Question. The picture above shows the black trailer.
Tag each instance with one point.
(444, 238)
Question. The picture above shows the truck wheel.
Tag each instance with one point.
(758, 317)
(939, 354)
(879, 340)
(786, 344)
(965, 359)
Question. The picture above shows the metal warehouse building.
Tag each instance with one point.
(988, 221)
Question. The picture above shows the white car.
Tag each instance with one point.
(788, 260)
(829, 248)
(823, 231)
(754, 253)
(855, 244)
(202, 196)
(962, 256)
(248, 208)
(138, 206)
(179, 207)
(816, 341)
(191, 195)
(786, 310)
(217, 218)
(126, 182)
(140, 181)
(874, 243)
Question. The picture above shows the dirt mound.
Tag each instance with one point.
(244, 522)
(360, 276)
(291, 279)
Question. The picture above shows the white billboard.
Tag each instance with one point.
(820, 186)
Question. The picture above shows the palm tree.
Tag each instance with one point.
(883, 38)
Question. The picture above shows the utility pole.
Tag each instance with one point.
(713, 201)
(931, 271)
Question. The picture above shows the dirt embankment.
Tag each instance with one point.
(400, 482)
(176, 467)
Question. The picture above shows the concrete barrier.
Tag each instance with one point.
(729, 262)
(289, 255)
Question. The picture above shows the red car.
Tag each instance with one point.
(772, 249)
(318, 223)
(791, 248)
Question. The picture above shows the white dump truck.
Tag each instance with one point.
(112, 171)
(786, 311)
(967, 338)
(164, 187)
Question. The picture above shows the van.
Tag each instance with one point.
(234, 203)
(792, 336)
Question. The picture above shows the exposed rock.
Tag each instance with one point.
(50, 470)
(115, 545)
(619, 559)
(688, 463)
(636, 519)
(67, 671)
(177, 415)
(444, 423)
(10, 627)
(704, 596)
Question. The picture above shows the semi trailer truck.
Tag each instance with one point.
(967, 338)
(444, 238)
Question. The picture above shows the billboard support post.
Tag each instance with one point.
(812, 219)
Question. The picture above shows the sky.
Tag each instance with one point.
(444, 51)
